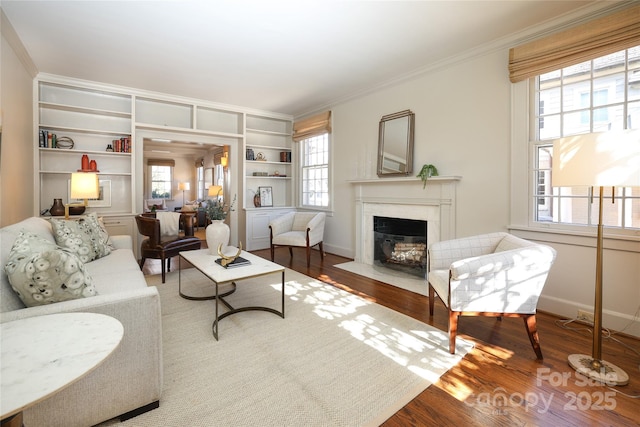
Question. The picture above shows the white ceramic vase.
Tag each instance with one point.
(217, 232)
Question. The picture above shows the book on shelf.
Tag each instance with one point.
(238, 262)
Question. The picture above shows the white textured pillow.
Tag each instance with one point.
(83, 236)
(42, 273)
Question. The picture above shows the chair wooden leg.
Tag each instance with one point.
(163, 270)
(168, 263)
(453, 330)
(432, 296)
(291, 251)
(142, 260)
(321, 251)
(308, 256)
(272, 252)
(532, 330)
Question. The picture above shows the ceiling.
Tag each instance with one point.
(291, 57)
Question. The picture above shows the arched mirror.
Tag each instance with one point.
(395, 144)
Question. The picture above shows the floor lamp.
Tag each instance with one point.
(184, 186)
(603, 159)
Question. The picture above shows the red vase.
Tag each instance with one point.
(85, 162)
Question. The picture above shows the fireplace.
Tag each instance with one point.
(434, 206)
(400, 244)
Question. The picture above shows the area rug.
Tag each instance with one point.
(385, 275)
(334, 360)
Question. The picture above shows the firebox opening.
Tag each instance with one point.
(400, 244)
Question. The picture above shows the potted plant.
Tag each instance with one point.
(427, 172)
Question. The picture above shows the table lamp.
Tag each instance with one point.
(84, 185)
(603, 159)
(215, 191)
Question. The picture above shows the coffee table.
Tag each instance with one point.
(204, 262)
(42, 355)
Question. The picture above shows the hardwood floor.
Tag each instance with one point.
(499, 382)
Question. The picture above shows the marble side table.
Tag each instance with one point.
(42, 355)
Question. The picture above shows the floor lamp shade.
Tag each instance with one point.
(604, 159)
(184, 186)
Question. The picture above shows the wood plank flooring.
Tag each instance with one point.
(500, 382)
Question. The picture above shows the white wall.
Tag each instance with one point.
(17, 146)
(462, 126)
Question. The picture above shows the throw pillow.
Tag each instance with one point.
(83, 236)
(42, 273)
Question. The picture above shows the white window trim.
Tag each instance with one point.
(300, 154)
(522, 216)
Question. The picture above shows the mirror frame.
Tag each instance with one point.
(383, 135)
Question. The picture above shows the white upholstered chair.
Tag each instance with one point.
(496, 274)
(302, 229)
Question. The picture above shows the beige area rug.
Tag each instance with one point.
(334, 360)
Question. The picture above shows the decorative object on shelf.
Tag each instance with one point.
(57, 209)
(88, 165)
(64, 142)
(249, 154)
(602, 159)
(110, 148)
(256, 198)
(225, 260)
(261, 157)
(84, 185)
(427, 172)
(261, 174)
(266, 196)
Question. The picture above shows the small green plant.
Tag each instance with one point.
(427, 172)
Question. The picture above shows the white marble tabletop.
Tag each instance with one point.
(206, 263)
(41, 355)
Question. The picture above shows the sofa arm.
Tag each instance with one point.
(123, 241)
(129, 379)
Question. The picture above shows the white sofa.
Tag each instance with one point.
(129, 382)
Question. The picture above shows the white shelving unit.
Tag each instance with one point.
(94, 114)
(268, 141)
(93, 119)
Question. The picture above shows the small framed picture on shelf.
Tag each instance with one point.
(266, 196)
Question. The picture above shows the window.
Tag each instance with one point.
(593, 96)
(315, 171)
(161, 179)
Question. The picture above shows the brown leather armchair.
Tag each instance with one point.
(160, 247)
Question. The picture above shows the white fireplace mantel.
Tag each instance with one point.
(404, 197)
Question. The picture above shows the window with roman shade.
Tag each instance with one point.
(313, 135)
(602, 36)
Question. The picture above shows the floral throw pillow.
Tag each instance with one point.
(83, 236)
(42, 273)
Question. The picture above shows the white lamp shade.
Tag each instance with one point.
(215, 190)
(84, 185)
(184, 186)
(602, 159)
